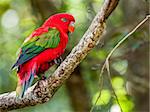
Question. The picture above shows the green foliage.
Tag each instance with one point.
(107, 100)
(124, 100)
(104, 98)
(120, 66)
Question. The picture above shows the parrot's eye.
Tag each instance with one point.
(64, 19)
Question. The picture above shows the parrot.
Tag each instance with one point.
(42, 49)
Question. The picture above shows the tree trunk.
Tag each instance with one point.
(138, 76)
(78, 93)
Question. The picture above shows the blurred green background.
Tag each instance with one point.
(128, 65)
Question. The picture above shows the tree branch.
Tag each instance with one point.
(43, 90)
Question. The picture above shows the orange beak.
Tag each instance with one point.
(71, 27)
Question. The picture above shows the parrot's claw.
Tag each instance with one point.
(58, 61)
(43, 77)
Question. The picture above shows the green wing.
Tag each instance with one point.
(37, 44)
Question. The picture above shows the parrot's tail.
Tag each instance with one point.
(24, 84)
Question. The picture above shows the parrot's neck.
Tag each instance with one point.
(63, 39)
(63, 36)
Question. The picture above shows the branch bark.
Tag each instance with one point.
(43, 90)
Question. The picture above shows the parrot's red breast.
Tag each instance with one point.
(42, 49)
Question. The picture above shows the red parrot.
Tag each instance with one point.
(42, 49)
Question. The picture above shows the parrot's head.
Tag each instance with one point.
(62, 21)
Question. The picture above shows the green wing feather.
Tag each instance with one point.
(49, 40)
(37, 44)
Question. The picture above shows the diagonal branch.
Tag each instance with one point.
(43, 90)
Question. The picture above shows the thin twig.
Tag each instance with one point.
(106, 63)
(124, 38)
(100, 81)
(100, 89)
(109, 77)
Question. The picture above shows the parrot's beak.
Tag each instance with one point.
(71, 27)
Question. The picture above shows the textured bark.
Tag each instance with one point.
(43, 90)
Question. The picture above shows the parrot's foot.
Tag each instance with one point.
(58, 61)
(43, 77)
